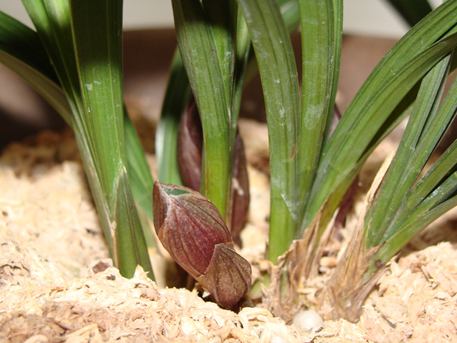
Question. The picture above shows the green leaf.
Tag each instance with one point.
(199, 53)
(290, 13)
(321, 27)
(52, 21)
(139, 174)
(97, 32)
(177, 94)
(130, 242)
(443, 199)
(99, 60)
(21, 42)
(422, 134)
(222, 17)
(278, 73)
(436, 186)
(242, 54)
(426, 186)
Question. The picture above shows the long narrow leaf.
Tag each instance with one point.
(411, 156)
(177, 94)
(99, 62)
(18, 40)
(97, 30)
(200, 58)
(242, 51)
(52, 22)
(139, 176)
(427, 187)
(410, 228)
(291, 15)
(130, 241)
(321, 27)
(280, 86)
(222, 17)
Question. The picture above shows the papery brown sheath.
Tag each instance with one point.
(190, 146)
(193, 232)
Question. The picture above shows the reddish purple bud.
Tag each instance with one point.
(193, 232)
(190, 145)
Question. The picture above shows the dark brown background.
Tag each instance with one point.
(146, 61)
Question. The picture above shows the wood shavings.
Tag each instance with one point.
(420, 308)
(90, 333)
(58, 285)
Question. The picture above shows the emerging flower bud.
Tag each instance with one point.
(190, 145)
(193, 232)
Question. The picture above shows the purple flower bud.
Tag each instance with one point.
(193, 232)
(190, 145)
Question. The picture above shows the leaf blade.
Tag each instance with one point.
(97, 32)
(279, 77)
(199, 54)
(321, 49)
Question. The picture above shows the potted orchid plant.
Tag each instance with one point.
(74, 59)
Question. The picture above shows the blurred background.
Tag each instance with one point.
(366, 17)
(371, 28)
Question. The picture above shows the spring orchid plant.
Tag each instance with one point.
(74, 59)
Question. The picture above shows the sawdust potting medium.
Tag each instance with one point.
(57, 283)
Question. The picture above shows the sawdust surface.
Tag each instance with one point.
(57, 283)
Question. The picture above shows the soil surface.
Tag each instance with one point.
(57, 283)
